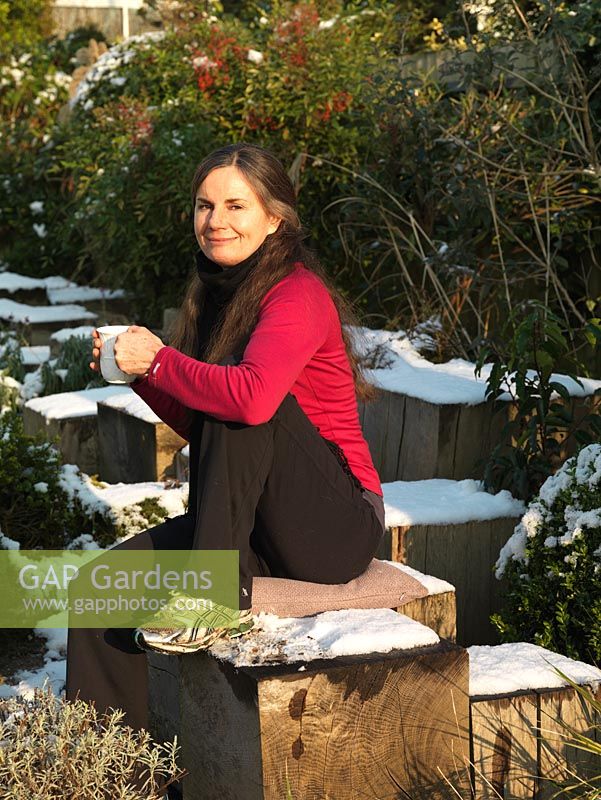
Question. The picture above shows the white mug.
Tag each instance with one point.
(108, 366)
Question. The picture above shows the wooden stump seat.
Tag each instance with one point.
(345, 704)
(517, 706)
(72, 417)
(454, 530)
(134, 445)
(423, 598)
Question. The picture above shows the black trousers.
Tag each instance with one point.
(278, 493)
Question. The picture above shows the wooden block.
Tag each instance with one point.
(559, 758)
(78, 436)
(463, 554)
(411, 439)
(377, 726)
(132, 449)
(436, 611)
(503, 742)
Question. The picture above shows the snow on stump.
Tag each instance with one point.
(58, 338)
(72, 417)
(433, 421)
(111, 305)
(23, 289)
(37, 323)
(34, 357)
(453, 530)
(343, 704)
(517, 705)
(133, 443)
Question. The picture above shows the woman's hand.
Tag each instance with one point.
(134, 350)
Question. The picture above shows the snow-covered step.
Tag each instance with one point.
(35, 356)
(38, 322)
(59, 337)
(454, 530)
(72, 416)
(514, 693)
(24, 289)
(328, 696)
(133, 443)
(433, 420)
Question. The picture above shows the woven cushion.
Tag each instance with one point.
(380, 586)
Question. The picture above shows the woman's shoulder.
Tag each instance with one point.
(301, 281)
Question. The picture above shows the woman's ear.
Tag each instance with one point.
(274, 224)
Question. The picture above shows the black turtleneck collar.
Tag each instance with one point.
(222, 282)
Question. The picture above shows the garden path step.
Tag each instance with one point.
(454, 530)
(514, 692)
(134, 444)
(36, 323)
(72, 416)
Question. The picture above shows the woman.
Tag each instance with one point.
(262, 380)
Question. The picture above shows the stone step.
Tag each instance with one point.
(517, 706)
(72, 416)
(454, 530)
(134, 444)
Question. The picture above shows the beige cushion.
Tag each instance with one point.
(380, 586)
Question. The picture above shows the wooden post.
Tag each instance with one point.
(133, 450)
(503, 746)
(463, 554)
(367, 726)
(559, 758)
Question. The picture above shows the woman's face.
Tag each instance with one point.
(230, 221)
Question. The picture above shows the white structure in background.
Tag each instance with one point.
(124, 5)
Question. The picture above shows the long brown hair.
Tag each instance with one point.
(269, 180)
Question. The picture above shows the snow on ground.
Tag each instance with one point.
(83, 403)
(331, 634)
(442, 501)
(12, 282)
(23, 313)
(506, 668)
(67, 333)
(82, 294)
(133, 405)
(400, 368)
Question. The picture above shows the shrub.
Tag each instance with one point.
(553, 564)
(44, 504)
(542, 422)
(70, 371)
(52, 747)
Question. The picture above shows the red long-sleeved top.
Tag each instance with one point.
(295, 347)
